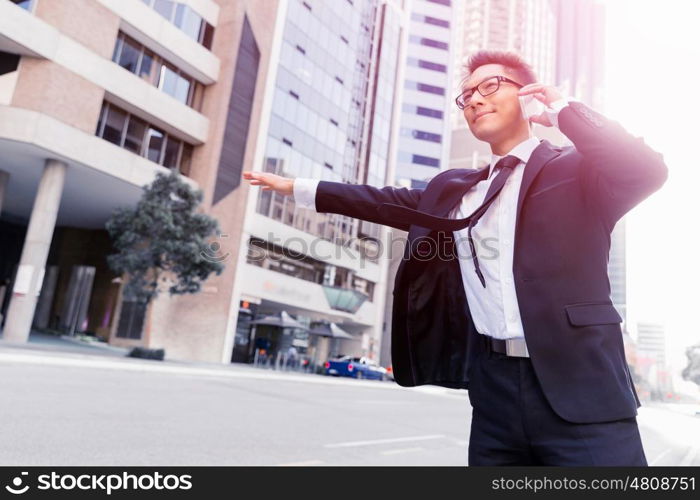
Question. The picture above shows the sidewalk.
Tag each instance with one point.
(64, 343)
(61, 351)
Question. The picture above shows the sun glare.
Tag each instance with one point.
(652, 82)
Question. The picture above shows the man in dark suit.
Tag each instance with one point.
(526, 324)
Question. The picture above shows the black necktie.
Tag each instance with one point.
(423, 219)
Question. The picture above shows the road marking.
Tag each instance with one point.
(689, 457)
(350, 444)
(661, 455)
(400, 450)
(304, 462)
(380, 402)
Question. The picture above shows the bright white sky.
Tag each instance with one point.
(653, 89)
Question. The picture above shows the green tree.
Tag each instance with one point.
(162, 242)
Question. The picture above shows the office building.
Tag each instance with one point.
(97, 96)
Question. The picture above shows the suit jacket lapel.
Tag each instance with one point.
(450, 194)
(454, 189)
(542, 154)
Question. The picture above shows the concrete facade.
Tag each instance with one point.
(51, 105)
(57, 104)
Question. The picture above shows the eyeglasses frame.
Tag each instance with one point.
(498, 78)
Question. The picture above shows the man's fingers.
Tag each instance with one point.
(254, 175)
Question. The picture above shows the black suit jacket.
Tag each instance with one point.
(569, 202)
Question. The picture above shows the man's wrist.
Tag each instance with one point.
(556, 106)
(304, 191)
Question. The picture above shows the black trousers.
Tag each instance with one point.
(513, 424)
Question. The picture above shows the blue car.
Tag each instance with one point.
(346, 366)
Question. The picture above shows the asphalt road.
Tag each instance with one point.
(63, 409)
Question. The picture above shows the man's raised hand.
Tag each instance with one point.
(270, 182)
(546, 94)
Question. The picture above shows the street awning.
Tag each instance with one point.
(328, 329)
(283, 320)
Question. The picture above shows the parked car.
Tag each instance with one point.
(346, 366)
(390, 372)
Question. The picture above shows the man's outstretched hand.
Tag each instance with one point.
(270, 182)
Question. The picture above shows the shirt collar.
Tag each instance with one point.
(521, 151)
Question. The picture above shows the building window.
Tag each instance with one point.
(134, 57)
(419, 63)
(127, 54)
(431, 89)
(135, 132)
(430, 20)
(25, 4)
(165, 8)
(422, 111)
(131, 319)
(432, 66)
(115, 119)
(136, 135)
(433, 113)
(148, 69)
(154, 144)
(280, 259)
(424, 87)
(363, 286)
(175, 83)
(421, 135)
(426, 160)
(267, 255)
(447, 3)
(172, 151)
(428, 42)
(186, 19)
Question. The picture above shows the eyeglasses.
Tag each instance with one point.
(486, 87)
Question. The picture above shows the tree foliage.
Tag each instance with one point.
(162, 242)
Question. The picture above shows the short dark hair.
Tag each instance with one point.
(514, 64)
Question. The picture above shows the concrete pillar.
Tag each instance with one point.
(34, 253)
(4, 179)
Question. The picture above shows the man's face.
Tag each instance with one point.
(497, 115)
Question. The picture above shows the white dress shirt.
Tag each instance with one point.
(494, 309)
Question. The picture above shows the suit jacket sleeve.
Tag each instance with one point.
(362, 200)
(619, 170)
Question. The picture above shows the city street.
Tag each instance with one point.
(75, 409)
